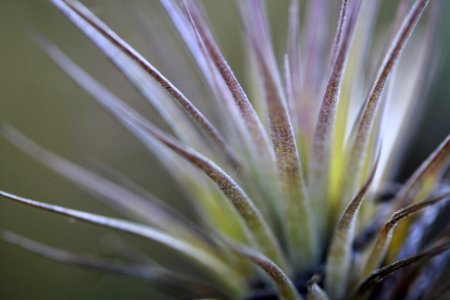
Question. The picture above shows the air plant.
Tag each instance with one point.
(288, 180)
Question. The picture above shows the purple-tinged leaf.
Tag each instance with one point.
(292, 66)
(351, 93)
(360, 135)
(227, 222)
(207, 260)
(425, 58)
(151, 211)
(301, 237)
(370, 282)
(156, 274)
(340, 251)
(430, 169)
(383, 240)
(344, 13)
(148, 134)
(251, 119)
(261, 169)
(239, 134)
(423, 180)
(315, 41)
(319, 163)
(121, 53)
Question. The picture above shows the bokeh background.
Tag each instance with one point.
(39, 100)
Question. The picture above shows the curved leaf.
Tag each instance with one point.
(340, 251)
(368, 284)
(207, 260)
(301, 237)
(385, 234)
(121, 54)
(285, 287)
(361, 132)
(156, 274)
(148, 134)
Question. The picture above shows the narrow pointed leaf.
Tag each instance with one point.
(424, 57)
(340, 254)
(301, 237)
(261, 168)
(151, 211)
(364, 123)
(292, 65)
(111, 45)
(155, 274)
(344, 13)
(315, 42)
(251, 119)
(378, 276)
(351, 93)
(432, 166)
(71, 258)
(149, 134)
(419, 186)
(233, 116)
(385, 234)
(319, 165)
(205, 259)
(191, 180)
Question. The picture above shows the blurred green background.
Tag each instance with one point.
(40, 101)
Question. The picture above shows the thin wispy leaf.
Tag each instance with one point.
(363, 125)
(251, 119)
(292, 65)
(149, 210)
(340, 252)
(207, 260)
(234, 118)
(366, 287)
(417, 187)
(424, 56)
(430, 169)
(149, 134)
(161, 277)
(385, 234)
(344, 14)
(351, 92)
(121, 54)
(314, 43)
(319, 163)
(420, 185)
(278, 192)
(261, 168)
(301, 238)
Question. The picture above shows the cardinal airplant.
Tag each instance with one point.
(290, 170)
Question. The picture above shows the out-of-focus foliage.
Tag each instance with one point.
(35, 97)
